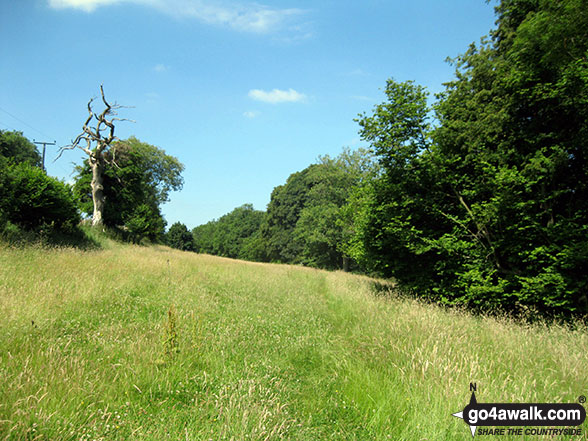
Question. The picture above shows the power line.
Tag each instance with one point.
(23, 122)
(7, 126)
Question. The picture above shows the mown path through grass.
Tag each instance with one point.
(90, 350)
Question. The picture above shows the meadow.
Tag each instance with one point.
(149, 343)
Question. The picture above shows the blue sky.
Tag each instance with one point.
(243, 93)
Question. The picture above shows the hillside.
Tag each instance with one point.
(148, 343)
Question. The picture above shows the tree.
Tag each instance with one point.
(203, 237)
(396, 212)
(29, 199)
(489, 208)
(179, 237)
(320, 229)
(513, 136)
(234, 235)
(98, 157)
(283, 213)
(135, 187)
(16, 149)
(304, 222)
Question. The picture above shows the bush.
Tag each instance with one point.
(34, 201)
(179, 237)
(15, 149)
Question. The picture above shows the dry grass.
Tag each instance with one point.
(261, 352)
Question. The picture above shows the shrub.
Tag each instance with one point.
(179, 237)
(34, 201)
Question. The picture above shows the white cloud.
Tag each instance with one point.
(242, 17)
(246, 17)
(251, 114)
(84, 5)
(160, 68)
(277, 96)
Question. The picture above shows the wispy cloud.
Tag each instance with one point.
(84, 5)
(159, 68)
(277, 96)
(240, 16)
(251, 114)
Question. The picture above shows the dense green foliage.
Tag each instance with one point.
(490, 208)
(283, 213)
(29, 199)
(179, 237)
(135, 187)
(33, 201)
(394, 210)
(304, 222)
(15, 148)
(235, 234)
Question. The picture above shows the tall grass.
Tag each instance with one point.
(148, 343)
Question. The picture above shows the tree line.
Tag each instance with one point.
(303, 222)
(479, 199)
(476, 197)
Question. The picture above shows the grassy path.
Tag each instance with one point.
(150, 343)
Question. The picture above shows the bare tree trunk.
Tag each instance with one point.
(97, 190)
(346, 264)
(96, 156)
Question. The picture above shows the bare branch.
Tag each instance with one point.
(90, 112)
(63, 149)
(97, 156)
(123, 119)
(464, 226)
(76, 144)
(120, 106)
(113, 161)
(103, 98)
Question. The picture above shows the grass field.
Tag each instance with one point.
(147, 343)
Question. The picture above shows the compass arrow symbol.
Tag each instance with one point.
(460, 414)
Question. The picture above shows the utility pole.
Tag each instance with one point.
(44, 144)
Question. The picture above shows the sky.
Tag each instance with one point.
(243, 93)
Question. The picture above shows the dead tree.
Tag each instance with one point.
(95, 141)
